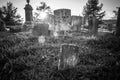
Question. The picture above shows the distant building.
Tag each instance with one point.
(109, 24)
(109, 21)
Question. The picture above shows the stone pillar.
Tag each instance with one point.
(118, 23)
(28, 16)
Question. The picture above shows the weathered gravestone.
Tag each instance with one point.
(41, 29)
(68, 56)
(28, 25)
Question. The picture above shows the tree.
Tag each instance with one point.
(42, 11)
(118, 24)
(9, 15)
(115, 14)
(2, 23)
(91, 10)
(43, 7)
(1, 14)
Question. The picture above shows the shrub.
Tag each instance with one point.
(108, 41)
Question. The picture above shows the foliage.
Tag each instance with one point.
(115, 14)
(9, 15)
(109, 41)
(43, 8)
(1, 14)
(93, 8)
(25, 59)
(2, 25)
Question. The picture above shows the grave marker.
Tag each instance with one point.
(41, 29)
(68, 56)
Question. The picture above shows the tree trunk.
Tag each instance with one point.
(94, 26)
(90, 24)
(118, 24)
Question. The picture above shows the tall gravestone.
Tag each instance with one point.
(118, 23)
(28, 16)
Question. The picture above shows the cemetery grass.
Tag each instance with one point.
(25, 59)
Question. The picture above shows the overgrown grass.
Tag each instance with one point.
(26, 59)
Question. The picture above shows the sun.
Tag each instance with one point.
(43, 15)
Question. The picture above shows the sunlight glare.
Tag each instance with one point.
(43, 15)
(41, 39)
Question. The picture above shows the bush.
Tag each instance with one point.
(26, 59)
(15, 30)
(108, 41)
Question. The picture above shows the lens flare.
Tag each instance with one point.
(55, 34)
(41, 39)
(43, 15)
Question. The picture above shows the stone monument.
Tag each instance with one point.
(28, 16)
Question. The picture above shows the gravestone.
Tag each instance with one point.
(28, 17)
(41, 29)
(68, 56)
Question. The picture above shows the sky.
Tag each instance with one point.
(76, 6)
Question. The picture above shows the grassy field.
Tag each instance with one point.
(24, 58)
